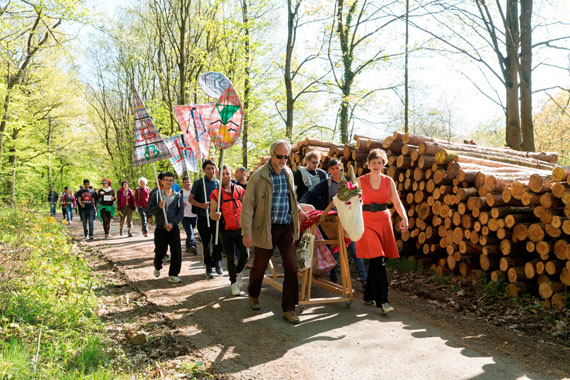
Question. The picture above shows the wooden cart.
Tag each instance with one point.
(344, 292)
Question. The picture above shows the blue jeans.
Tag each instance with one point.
(189, 224)
(87, 216)
(52, 208)
(69, 211)
(360, 267)
(144, 219)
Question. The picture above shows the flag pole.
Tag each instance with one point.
(202, 164)
(221, 170)
(159, 193)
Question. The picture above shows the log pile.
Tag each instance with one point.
(474, 211)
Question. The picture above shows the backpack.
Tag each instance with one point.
(199, 197)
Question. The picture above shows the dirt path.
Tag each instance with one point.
(417, 341)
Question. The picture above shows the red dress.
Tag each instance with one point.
(378, 238)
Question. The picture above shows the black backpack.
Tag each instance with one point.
(199, 197)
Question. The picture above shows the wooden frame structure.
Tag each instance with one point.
(344, 290)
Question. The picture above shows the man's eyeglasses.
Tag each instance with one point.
(281, 156)
(315, 162)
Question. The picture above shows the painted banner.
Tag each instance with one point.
(182, 156)
(194, 121)
(227, 116)
(149, 146)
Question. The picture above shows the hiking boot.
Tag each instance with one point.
(386, 308)
(90, 237)
(291, 317)
(209, 272)
(121, 232)
(166, 258)
(193, 250)
(156, 273)
(174, 280)
(235, 289)
(254, 303)
(130, 234)
(106, 237)
(219, 269)
(188, 250)
(146, 234)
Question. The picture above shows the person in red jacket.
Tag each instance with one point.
(126, 206)
(230, 229)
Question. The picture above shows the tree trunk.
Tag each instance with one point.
(525, 74)
(292, 13)
(513, 129)
(246, 84)
(347, 59)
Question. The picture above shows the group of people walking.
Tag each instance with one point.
(103, 204)
(258, 215)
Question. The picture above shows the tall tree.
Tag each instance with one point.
(356, 24)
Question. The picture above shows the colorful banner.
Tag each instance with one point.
(149, 146)
(194, 121)
(226, 119)
(182, 157)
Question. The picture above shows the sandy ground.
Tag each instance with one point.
(417, 341)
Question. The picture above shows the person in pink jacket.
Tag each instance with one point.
(68, 201)
(126, 206)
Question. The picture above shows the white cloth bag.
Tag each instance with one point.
(350, 216)
(305, 251)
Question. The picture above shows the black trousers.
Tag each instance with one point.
(230, 241)
(164, 239)
(106, 218)
(377, 282)
(207, 235)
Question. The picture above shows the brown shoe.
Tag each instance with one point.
(291, 317)
(254, 303)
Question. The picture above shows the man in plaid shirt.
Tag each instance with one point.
(270, 217)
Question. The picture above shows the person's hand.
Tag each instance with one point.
(161, 204)
(404, 225)
(307, 207)
(205, 205)
(215, 215)
(247, 241)
(168, 227)
(302, 215)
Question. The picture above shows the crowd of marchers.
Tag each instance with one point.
(244, 215)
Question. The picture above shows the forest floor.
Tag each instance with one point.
(442, 328)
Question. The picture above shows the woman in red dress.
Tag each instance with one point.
(378, 240)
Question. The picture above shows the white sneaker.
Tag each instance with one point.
(235, 289)
(174, 280)
(386, 308)
(156, 273)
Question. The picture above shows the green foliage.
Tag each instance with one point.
(46, 288)
(490, 133)
(402, 265)
(493, 289)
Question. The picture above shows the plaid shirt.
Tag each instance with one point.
(280, 209)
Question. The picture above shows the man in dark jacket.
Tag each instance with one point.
(308, 176)
(52, 199)
(167, 234)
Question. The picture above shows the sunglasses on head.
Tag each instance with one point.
(281, 156)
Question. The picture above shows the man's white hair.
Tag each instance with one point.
(143, 179)
(277, 143)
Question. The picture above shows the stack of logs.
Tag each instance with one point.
(474, 211)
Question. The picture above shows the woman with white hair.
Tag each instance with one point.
(141, 201)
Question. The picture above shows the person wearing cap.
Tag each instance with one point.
(107, 206)
(141, 202)
(126, 206)
(87, 203)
